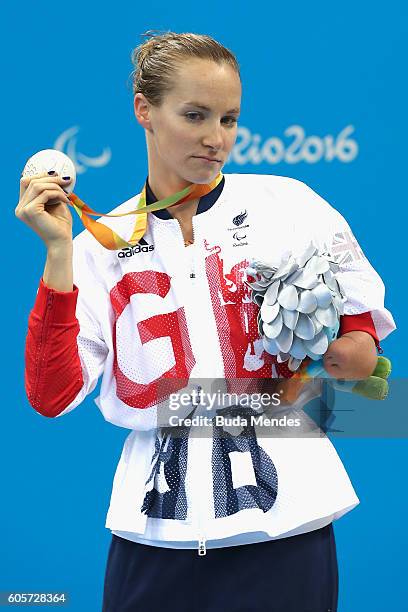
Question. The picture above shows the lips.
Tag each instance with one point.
(210, 159)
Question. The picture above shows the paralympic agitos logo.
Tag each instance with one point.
(141, 247)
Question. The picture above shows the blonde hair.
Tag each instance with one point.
(156, 60)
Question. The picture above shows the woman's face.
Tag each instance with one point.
(198, 118)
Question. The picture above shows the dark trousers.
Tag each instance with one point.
(295, 574)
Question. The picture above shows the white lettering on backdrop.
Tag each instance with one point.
(249, 148)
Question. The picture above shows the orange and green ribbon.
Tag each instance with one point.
(108, 238)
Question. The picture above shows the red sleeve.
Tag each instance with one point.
(361, 322)
(53, 373)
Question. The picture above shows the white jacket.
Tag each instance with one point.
(165, 310)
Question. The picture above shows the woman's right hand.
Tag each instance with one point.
(43, 206)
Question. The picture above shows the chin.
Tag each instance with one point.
(201, 178)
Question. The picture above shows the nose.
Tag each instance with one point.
(214, 137)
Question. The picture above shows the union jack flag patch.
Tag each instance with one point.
(345, 248)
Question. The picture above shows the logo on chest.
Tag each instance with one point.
(239, 236)
(141, 247)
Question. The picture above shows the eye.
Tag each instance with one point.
(192, 116)
(231, 121)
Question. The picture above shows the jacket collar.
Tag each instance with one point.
(204, 203)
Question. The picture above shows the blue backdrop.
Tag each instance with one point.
(324, 94)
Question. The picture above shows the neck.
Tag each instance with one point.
(185, 211)
(162, 189)
(165, 188)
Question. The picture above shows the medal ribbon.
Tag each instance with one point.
(108, 238)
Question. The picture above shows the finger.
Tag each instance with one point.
(39, 185)
(43, 198)
(26, 180)
(57, 200)
(51, 177)
(62, 181)
(33, 192)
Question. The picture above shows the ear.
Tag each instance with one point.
(142, 110)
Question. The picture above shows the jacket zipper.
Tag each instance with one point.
(202, 550)
(191, 492)
(201, 546)
(43, 333)
(192, 267)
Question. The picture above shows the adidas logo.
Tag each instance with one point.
(141, 247)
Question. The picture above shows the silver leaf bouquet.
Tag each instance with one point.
(300, 303)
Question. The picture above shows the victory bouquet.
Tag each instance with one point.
(301, 302)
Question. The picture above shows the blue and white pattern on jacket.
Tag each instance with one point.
(167, 495)
(229, 499)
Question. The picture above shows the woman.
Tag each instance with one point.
(258, 511)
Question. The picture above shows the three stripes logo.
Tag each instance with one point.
(141, 247)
